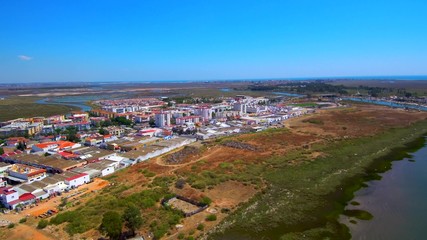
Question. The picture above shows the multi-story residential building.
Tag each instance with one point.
(189, 119)
(162, 119)
(205, 112)
(240, 106)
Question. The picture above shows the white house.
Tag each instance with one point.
(9, 197)
(54, 184)
(106, 167)
(35, 188)
(77, 180)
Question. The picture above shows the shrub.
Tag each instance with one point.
(205, 200)
(22, 220)
(201, 227)
(42, 224)
(181, 236)
(180, 183)
(211, 217)
(11, 225)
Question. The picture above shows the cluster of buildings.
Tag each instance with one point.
(36, 168)
(44, 125)
(29, 177)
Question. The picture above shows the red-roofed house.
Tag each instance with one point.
(14, 141)
(27, 198)
(77, 180)
(68, 155)
(54, 146)
(149, 132)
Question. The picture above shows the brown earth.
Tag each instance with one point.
(24, 232)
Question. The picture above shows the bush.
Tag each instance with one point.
(11, 225)
(211, 217)
(201, 227)
(181, 236)
(180, 183)
(22, 220)
(42, 224)
(205, 200)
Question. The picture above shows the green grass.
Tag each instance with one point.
(17, 107)
(211, 218)
(89, 216)
(306, 199)
(359, 214)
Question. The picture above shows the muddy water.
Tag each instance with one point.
(398, 202)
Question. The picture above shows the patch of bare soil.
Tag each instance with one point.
(23, 232)
(182, 155)
(240, 145)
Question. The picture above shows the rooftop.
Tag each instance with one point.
(27, 170)
(76, 176)
(46, 162)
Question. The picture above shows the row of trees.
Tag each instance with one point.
(112, 222)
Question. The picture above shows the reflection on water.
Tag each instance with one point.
(76, 101)
(397, 202)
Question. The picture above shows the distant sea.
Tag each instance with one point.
(385, 78)
(409, 77)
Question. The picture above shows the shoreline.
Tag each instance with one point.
(378, 165)
(330, 206)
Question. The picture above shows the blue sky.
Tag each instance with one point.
(105, 40)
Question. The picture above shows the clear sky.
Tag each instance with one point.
(102, 40)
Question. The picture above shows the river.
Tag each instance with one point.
(387, 103)
(75, 101)
(397, 202)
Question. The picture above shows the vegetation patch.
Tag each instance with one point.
(18, 107)
(305, 199)
(359, 214)
(314, 121)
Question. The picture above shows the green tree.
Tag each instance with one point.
(42, 224)
(132, 218)
(21, 146)
(58, 131)
(103, 131)
(1, 151)
(112, 224)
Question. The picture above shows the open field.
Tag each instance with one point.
(413, 86)
(16, 107)
(294, 171)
